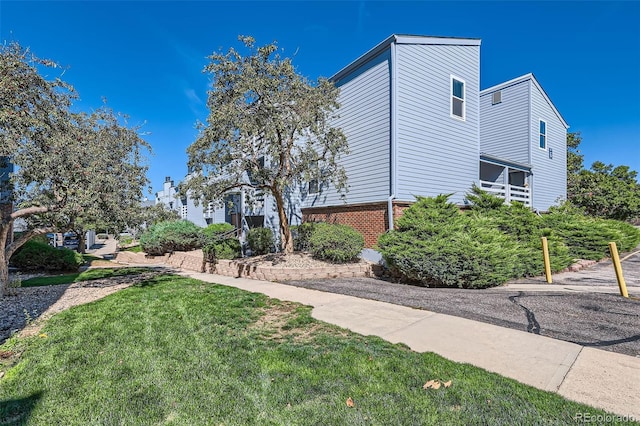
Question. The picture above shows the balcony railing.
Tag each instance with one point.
(508, 192)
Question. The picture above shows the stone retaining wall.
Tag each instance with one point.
(232, 268)
(193, 261)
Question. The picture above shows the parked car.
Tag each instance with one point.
(70, 240)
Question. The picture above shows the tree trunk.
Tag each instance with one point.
(4, 261)
(286, 240)
(81, 242)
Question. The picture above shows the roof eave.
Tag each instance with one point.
(402, 39)
(521, 79)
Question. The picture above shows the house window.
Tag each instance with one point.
(457, 97)
(313, 186)
(184, 212)
(543, 135)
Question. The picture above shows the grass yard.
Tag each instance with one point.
(88, 275)
(178, 351)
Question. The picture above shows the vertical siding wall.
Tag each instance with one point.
(549, 174)
(365, 120)
(504, 127)
(436, 153)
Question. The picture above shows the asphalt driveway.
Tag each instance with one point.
(589, 318)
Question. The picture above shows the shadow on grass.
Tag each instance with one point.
(26, 305)
(17, 411)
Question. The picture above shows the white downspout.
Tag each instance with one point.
(394, 157)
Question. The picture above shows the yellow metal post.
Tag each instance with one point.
(547, 263)
(613, 249)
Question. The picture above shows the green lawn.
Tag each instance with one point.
(90, 274)
(178, 351)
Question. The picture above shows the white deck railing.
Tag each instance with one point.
(508, 192)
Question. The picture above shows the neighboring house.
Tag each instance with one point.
(184, 205)
(236, 208)
(418, 124)
(523, 143)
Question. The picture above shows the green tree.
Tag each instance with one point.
(603, 190)
(268, 129)
(607, 191)
(575, 160)
(70, 168)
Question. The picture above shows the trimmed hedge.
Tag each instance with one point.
(170, 236)
(335, 243)
(260, 241)
(36, 255)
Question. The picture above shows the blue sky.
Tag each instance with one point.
(146, 57)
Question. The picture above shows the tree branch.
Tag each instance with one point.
(26, 236)
(28, 211)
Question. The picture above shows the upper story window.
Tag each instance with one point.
(313, 186)
(543, 135)
(457, 98)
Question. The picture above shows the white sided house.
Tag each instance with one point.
(523, 144)
(418, 124)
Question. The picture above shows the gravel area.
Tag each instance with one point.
(26, 309)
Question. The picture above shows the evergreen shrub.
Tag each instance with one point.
(301, 235)
(37, 255)
(588, 237)
(260, 241)
(220, 243)
(170, 236)
(335, 243)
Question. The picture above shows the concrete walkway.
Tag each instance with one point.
(602, 379)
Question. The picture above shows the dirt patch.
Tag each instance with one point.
(278, 322)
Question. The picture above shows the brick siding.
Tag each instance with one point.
(371, 220)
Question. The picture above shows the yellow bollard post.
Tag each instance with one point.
(613, 249)
(547, 263)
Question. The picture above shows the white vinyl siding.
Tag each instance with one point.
(549, 174)
(435, 154)
(365, 120)
(504, 127)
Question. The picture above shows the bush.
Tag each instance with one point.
(301, 235)
(170, 236)
(260, 240)
(336, 243)
(225, 248)
(589, 237)
(436, 245)
(39, 256)
(218, 246)
(216, 229)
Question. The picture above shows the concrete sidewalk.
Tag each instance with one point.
(602, 379)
